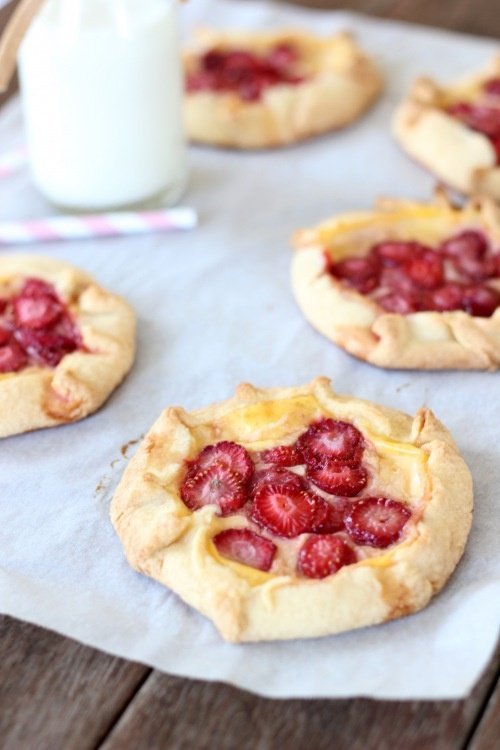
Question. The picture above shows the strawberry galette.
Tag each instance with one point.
(455, 130)
(268, 89)
(65, 343)
(294, 513)
(407, 285)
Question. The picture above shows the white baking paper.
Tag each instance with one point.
(215, 308)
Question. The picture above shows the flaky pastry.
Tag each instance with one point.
(260, 90)
(408, 285)
(65, 343)
(295, 512)
(454, 130)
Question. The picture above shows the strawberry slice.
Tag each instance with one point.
(468, 243)
(393, 253)
(41, 311)
(45, 347)
(282, 455)
(246, 547)
(376, 521)
(36, 288)
(277, 476)
(481, 301)
(337, 478)
(447, 297)
(321, 556)
(283, 509)
(425, 269)
(492, 86)
(361, 273)
(4, 336)
(328, 517)
(331, 440)
(217, 485)
(401, 302)
(228, 454)
(12, 358)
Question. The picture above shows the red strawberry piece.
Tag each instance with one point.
(394, 253)
(282, 455)
(44, 347)
(479, 117)
(361, 273)
(447, 297)
(217, 485)
(228, 454)
(3, 304)
(277, 476)
(283, 509)
(282, 56)
(331, 440)
(376, 521)
(495, 142)
(328, 516)
(12, 358)
(474, 270)
(246, 547)
(37, 288)
(481, 301)
(337, 478)
(402, 303)
(397, 280)
(321, 556)
(426, 269)
(251, 90)
(213, 60)
(4, 336)
(492, 86)
(470, 242)
(39, 311)
(201, 80)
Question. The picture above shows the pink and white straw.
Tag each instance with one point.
(117, 224)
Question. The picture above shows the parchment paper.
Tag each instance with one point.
(215, 308)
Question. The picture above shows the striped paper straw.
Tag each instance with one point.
(116, 224)
(11, 161)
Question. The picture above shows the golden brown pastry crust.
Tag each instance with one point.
(423, 340)
(343, 82)
(164, 540)
(460, 157)
(83, 380)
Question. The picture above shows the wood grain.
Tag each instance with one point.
(56, 693)
(487, 733)
(162, 716)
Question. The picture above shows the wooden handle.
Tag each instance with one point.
(12, 37)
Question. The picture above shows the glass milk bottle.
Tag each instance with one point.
(101, 88)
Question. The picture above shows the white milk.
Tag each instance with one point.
(102, 94)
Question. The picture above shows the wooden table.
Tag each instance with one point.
(56, 694)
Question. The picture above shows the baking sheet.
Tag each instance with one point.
(214, 308)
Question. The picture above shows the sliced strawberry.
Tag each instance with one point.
(394, 253)
(283, 509)
(283, 56)
(361, 273)
(337, 478)
(4, 336)
(246, 547)
(328, 516)
(282, 455)
(492, 86)
(376, 521)
(12, 358)
(331, 440)
(426, 269)
(480, 301)
(277, 476)
(217, 485)
(470, 243)
(447, 297)
(321, 556)
(3, 304)
(228, 454)
(39, 311)
(45, 347)
(401, 303)
(201, 80)
(37, 288)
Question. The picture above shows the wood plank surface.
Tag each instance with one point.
(56, 694)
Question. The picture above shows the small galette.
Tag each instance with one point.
(65, 343)
(407, 285)
(293, 512)
(454, 130)
(261, 90)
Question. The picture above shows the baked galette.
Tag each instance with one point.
(454, 130)
(407, 285)
(259, 90)
(65, 343)
(294, 512)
